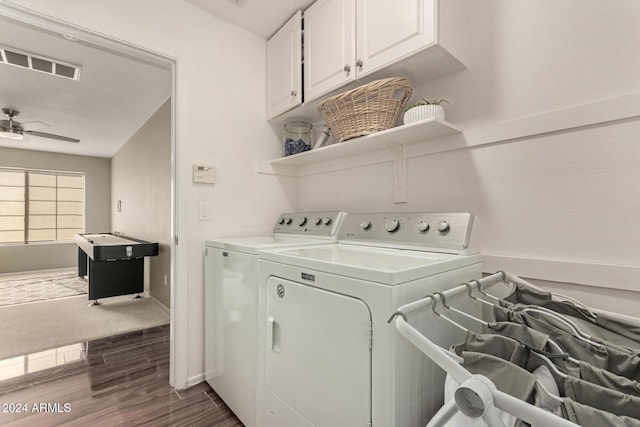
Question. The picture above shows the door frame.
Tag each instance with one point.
(178, 309)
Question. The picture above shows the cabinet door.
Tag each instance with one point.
(318, 357)
(391, 30)
(329, 46)
(284, 68)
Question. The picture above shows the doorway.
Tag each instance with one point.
(60, 109)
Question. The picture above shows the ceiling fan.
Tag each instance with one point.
(12, 129)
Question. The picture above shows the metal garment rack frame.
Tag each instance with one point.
(476, 396)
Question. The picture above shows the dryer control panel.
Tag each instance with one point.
(437, 231)
(309, 223)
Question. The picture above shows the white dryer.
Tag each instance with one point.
(327, 356)
(231, 303)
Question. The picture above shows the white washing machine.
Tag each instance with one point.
(231, 303)
(327, 356)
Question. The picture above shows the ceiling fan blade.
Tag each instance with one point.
(34, 125)
(51, 136)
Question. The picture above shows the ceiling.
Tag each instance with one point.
(117, 92)
(261, 17)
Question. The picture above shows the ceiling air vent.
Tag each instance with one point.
(41, 64)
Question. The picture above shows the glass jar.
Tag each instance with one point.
(296, 137)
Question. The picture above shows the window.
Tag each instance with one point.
(39, 206)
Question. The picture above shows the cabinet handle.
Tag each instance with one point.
(359, 63)
(347, 68)
(225, 253)
(294, 93)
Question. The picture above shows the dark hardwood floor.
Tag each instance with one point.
(117, 381)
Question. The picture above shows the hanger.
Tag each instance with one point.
(479, 288)
(572, 326)
(550, 365)
(577, 303)
(564, 319)
(443, 301)
(553, 344)
(553, 294)
(547, 394)
(574, 329)
(439, 315)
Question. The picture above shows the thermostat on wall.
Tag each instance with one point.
(204, 174)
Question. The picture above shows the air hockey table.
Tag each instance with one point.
(113, 263)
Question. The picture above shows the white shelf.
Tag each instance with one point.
(400, 135)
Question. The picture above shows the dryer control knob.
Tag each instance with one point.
(365, 225)
(280, 220)
(301, 220)
(326, 220)
(392, 225)
(443, 225)
(287, 221)
(317, 220)
(423, 226)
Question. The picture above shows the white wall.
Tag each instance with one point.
(559, 206)
(141, 181)
(221, 121)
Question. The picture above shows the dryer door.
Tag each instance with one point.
(318, 357)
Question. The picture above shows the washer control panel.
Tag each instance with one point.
(450, 232)
(309, 223)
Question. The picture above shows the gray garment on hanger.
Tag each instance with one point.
(616, 361)
(607, 326)
(607, 379)
(596, 333)
(506, 376)
(521, 333)
(586, 416)
(602, 398)
(495, 345)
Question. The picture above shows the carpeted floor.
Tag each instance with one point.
(36, 326)
(43, 287)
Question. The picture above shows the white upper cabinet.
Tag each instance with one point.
(345, 40)
(284, 68)
(390, 30)
(329, 46)
(351, 42)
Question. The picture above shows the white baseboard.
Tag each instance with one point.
(161, 305)
(612, 276)
(196, 379)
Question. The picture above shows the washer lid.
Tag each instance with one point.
(255, 244)
(381, 265)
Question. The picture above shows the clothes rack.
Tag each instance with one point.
(476, 396)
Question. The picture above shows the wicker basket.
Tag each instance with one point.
(366, 109)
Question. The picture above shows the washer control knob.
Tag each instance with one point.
(301, 220)
(326, 220)
(317, 220)
(443, 225)
(287, 221)
(280, 220)
(392, 225)
(365, 225)
(423, 226)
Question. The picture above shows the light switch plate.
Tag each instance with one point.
(204, 213)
